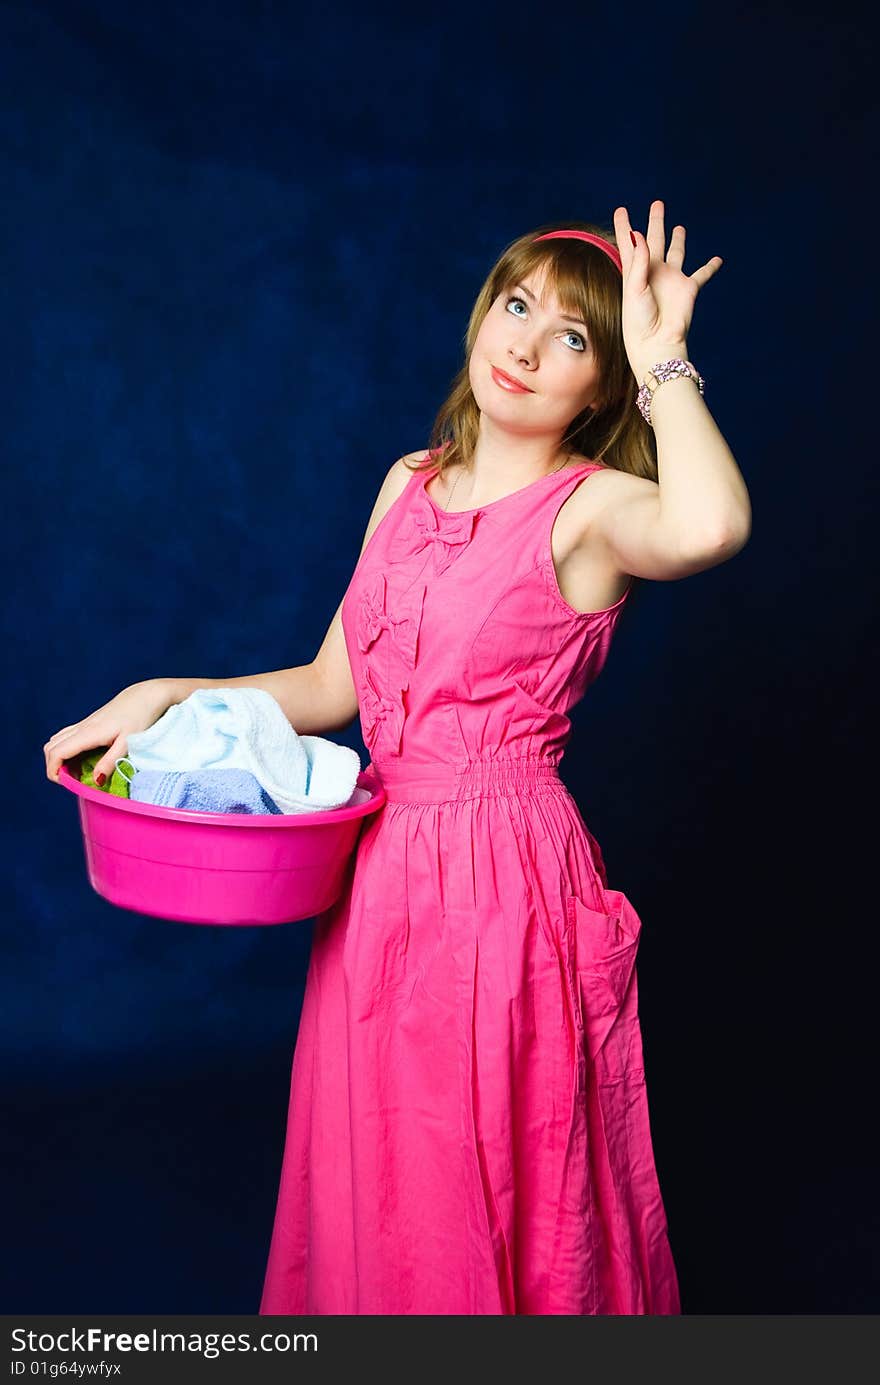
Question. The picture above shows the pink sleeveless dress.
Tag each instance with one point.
(468, 1126)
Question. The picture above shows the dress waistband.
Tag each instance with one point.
(446, 783)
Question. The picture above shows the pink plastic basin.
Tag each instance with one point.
(232, 868)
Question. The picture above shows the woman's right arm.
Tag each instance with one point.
(316, 698)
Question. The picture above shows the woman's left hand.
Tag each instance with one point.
(658, 297)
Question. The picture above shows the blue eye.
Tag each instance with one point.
(576, 335)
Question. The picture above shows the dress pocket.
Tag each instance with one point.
(529, 715)
(601, 949)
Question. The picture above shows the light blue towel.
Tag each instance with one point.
(245, 728)
(202, 790)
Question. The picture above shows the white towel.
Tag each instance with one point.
(245, 728)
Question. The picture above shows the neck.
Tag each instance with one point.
(503, 460)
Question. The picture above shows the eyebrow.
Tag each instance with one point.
(567, 316)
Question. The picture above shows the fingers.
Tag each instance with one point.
(61, 747)
(64, 745)
(634, 262)
(675, 256)
(62, 732)
(702, 275)
(632, 257)
(55, 750)
(107, 763)
(656, 236)
(623, 236)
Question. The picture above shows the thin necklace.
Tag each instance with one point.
(539, 478)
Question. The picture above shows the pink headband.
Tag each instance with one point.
(610, 250)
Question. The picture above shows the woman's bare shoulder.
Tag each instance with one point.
(402, 470)
(397, 478)
(608, 476)
(609, 487)
(412, 457)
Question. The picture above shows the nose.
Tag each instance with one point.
(523, 352)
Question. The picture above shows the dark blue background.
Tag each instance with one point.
(240, 246)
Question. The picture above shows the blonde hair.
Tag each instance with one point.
(588, 284)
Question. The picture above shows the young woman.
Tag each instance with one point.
(468, 1127)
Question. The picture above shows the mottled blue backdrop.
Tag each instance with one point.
(240, 243)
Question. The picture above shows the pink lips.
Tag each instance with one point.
(508, 383)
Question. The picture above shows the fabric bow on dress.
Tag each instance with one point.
(385, 708)
(384, 681)
(378, 711)
(423, 529)
(373, 618)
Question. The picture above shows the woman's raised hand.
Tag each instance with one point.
(658, 297)
(134, 709)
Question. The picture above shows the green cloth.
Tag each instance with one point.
(118, 784)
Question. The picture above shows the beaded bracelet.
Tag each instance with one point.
(665, 370)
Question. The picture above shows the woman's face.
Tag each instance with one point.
(527, 336)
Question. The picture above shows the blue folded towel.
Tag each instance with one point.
(202, 790)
